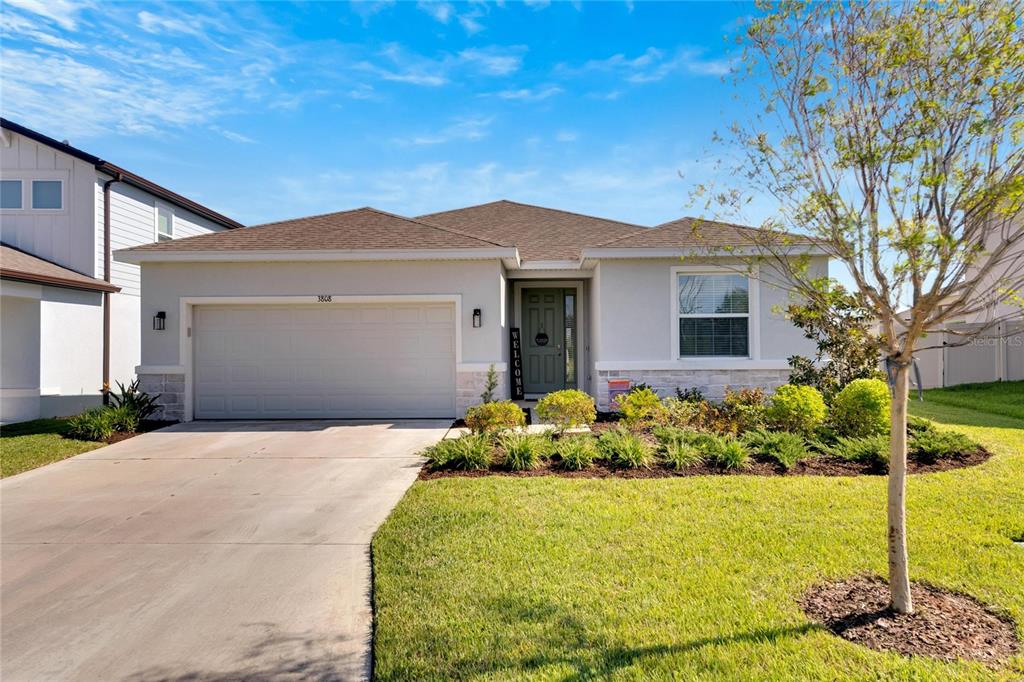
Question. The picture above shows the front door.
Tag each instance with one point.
(543, 340)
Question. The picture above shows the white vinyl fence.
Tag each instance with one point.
(997, 354)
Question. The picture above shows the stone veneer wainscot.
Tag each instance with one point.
(170, 389)
(712, 382)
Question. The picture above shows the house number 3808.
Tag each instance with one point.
(323, 298)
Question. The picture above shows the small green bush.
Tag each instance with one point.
(640, 407)
(800, 409)
(525, 451)
(745, 409)
(931, 444)
(96, 424)
(918, 424)
(873, 450)
(862, 408)
(495, 416)
(625, 449)
(681, 413)
(471, 451)
(679, 455)
(785, 448)
(576, 453)
(567, 409)
(675, 434)
(727, 452)
(124, 418)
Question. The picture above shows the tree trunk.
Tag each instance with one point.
(899, 571)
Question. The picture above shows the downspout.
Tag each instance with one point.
(106, 294)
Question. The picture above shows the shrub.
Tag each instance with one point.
(873, 450)
(681, 413)
(640, 407)
(489, 385)
(123, 418)
(566, 409)
(674, 434)
(465, 452)
(744, 409)
(796, 408)
(918, 424)
(726, 452)
(677, 454)
(625, 449)
(785, 448)
(494, 416)
(131, 399)
(862, 408)
(691, 395)
(928, 445)
(576, 453)
(95, 424)
(525, 451)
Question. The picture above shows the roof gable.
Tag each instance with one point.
(539, 233)
(694, 232)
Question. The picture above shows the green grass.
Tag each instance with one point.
(32, 444)
(690, 578)
(999, 397)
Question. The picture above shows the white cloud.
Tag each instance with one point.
(536, 4)
(152, 23)
(469, 22)
(465, 129)
(494, 61)
(655, 65)
(611, 95)
(64, 13)
(232, 135)
(531, 95)
(440, 11)
(16, 26)
(567, 136)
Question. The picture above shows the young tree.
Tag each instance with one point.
(890, 135)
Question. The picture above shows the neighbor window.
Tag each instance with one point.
(10, 193)
(714, 315)
(46, 194)
(164, 224)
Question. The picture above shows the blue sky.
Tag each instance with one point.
(270, 110)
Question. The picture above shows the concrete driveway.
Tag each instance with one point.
(204, 551)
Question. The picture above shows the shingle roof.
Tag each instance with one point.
(694, 232)
(539, 233)
(17, 265)
(358, 229)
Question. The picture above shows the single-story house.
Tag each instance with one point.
(363, 313)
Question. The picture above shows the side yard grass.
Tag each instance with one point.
(34, 443)
(1005, 398)
(683, 578)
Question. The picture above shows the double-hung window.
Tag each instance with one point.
(714, 315)
(164, 223)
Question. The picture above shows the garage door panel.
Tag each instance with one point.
(342, 361)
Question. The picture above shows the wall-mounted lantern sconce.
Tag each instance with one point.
(159, 321)
(477, 318)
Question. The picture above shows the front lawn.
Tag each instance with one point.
(685, 578)
(32, 444)
(998, 397)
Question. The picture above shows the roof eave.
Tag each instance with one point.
(60, 282)
(509, 255)
(692, 251)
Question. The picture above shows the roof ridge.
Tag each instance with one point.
(433, 226)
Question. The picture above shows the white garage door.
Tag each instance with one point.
(329, 361)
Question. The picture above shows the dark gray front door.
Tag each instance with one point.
(543, 340)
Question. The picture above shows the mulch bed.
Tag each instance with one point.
(144, 427)
(945, 625)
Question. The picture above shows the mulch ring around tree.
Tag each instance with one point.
(945, 625)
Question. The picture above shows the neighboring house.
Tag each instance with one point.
(364, 313)
(997, 352)
(58, 288)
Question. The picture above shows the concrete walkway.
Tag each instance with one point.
(205, 551)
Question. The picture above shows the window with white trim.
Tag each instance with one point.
(10, 194)
(48, 195)
(164, 224)
(714, 315)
